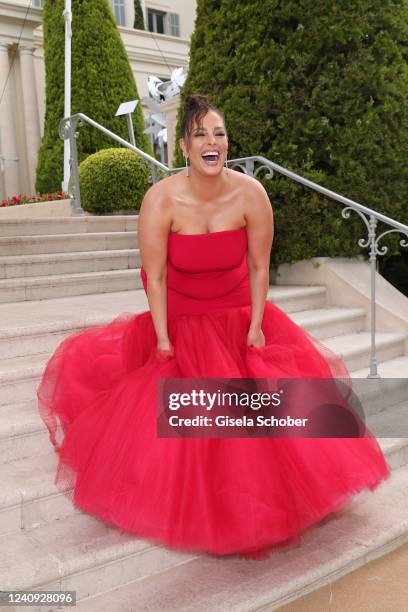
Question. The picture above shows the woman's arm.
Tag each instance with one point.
(260, 231)
(153, 229)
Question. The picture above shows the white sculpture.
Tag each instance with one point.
(164, 90)
(161, 91)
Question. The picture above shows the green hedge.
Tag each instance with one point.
(113, 179)
(320, 88)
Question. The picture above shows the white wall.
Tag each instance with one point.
(186, 9)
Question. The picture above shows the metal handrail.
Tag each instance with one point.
(316, 187)
(369, 216)
(67, 130)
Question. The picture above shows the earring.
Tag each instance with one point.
(185, 157)
(226, 166)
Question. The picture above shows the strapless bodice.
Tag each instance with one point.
(206, 271)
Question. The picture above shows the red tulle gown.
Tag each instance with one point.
(246, 496)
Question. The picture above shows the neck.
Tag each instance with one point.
(211, 186)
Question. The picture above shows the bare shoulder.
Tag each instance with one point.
(249, 184)
(156, 201)
(255, 197)
(155, 192)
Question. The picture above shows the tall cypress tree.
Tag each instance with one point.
(322, 89)
(138, 23)
(102, 78)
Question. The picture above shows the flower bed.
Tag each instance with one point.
(47, 205)
(25, 199)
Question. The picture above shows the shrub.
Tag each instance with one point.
(113, 179)
(320, 88)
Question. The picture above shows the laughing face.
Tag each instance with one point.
(208, 145)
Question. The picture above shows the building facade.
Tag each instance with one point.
(163, 46)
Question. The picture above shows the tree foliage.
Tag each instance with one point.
(320, 88)
(138, 23)
(102, 78)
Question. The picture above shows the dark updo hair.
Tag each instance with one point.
(196, 107)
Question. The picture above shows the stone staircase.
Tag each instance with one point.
(51, 258)
(48, 544)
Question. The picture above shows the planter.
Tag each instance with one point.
(48, 208)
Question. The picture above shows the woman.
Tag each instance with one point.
(208, 199)
(205, 239)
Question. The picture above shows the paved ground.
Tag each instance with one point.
(379, 586)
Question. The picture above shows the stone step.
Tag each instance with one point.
(387, 369)
(22, 432)
(331, 321)
(388, 423)
(67, 243)
(61, 285)
(68, 225)
(354, 349)
(389, 389)
(28, 496)
(44, 264)
(80, 553)
(26, 327)
(296, 299)
(20, 376)
(36, 326)
(373, 524)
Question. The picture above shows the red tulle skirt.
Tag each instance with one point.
(98, 398)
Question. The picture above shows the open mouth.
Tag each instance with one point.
(211, 159)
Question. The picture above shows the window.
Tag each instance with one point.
(38, 3)
(156, 20)
(119, 12)
(174, 21)
(163, 23)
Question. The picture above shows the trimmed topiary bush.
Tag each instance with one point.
(320, 88)
(112, 180)
(102, 78)
(138, 22)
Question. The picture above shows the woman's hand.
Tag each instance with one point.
(165, 348)
(255, 338)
